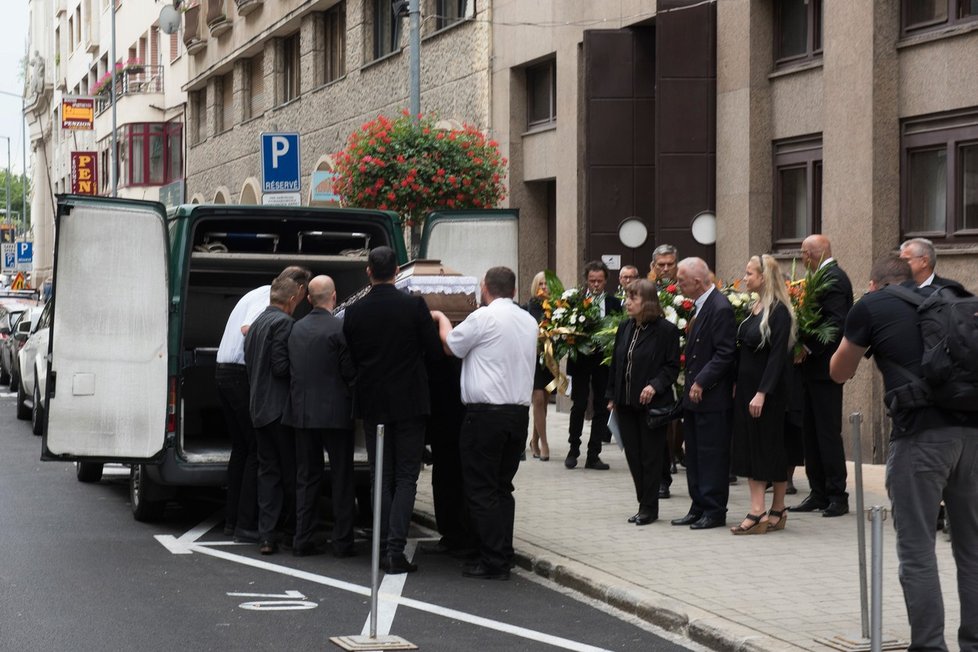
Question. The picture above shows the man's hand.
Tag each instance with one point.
(696, 393)
(611, 406)
(647, 393)
(756, 405)
(801, 354)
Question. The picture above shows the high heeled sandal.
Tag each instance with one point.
(759, 527)
(782, 517)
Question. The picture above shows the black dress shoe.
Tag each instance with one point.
(708, 522)
(267, 547)
(595, 464)
(480, 571)
(645, 519)
(811, 503)
(689, 519)
(397, 564)
(631, 519)
(836, 508)
(571, 460)
(664, 493)
(310, 551)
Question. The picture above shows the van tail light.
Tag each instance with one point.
(171, 406)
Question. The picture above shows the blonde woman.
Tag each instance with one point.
(764, 340)
(542, 377)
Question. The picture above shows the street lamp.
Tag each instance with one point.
(23, 170)
(7, 138)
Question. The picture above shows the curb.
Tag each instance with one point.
(697, 625)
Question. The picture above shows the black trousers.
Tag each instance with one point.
(276, 481)
(708, 461)
(241, 511)
(310, 472)
(825, 455)
(492, 439)
(590, 377)
(644, 452)
(403, 447)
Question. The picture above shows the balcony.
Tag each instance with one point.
(192, 39)
(245, 7)
(217, 18)
(133, 80)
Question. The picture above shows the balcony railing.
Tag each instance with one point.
(134, 80)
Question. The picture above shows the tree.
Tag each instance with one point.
(16, 197)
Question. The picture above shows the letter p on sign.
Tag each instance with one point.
(280, 147)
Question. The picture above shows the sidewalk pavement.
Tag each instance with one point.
(780, 591)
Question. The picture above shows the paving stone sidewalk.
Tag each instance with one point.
(779, 591)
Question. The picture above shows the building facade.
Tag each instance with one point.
(319, 68)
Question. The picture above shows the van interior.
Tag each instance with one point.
(231, 257)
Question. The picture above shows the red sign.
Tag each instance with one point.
(84, 173)
(78, 113)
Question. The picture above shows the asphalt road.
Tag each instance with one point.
(78, 573)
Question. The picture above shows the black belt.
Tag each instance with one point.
(492, 407)
(231, 366)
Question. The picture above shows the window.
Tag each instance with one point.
(452, 11)
(797, 30)
(334, 33)
(71, 33)
(797, 189)
(290, 68)
(198, 106)
(924, 15)
(155, 153)
(387, 29)
(226, 107)
(541, 94)
(939, 176)
(256, 85)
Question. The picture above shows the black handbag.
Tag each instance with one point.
(657, 417)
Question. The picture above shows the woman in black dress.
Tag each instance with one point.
(542, 378)
(764, 340)
(644, 368)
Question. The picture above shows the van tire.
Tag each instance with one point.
(143, 510)
(88, 471)
(37, 412)
(23, 410)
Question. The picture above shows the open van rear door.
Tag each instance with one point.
(107, 382)
(470, 242)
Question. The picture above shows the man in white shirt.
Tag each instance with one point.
(498, 347)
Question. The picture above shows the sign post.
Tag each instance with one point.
(8, 252)
(84, 173)
(25, 256)
(280, 164)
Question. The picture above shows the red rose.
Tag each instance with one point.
(687, 305)
(671, 288)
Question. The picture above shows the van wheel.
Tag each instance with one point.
(143, 510)
(88, 471)
(37, 412)
(23, 410)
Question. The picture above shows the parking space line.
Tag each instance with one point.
(390, 585)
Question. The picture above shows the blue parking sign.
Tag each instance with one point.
(25, 252)
(280, 162)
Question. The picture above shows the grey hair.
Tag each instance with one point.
(922, 247)
(664, 250)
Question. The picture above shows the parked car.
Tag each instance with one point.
(21, 329)
(32, 368)
(134, 339)
(8, 317)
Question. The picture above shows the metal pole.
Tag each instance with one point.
(856, 420)
(23, 170)
(877, 514)
(375, 552)
(114, 168)
(8, 178)
(414, 78)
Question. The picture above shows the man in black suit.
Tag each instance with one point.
(319, 409)
(922, 258)
(825, 455)
(707, 396)
(266, 351)
(589, 376)
(390, 334)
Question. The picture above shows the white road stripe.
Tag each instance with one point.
(8, 394)
(391, 585)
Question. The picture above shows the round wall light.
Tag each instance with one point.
(632, 232)
(704, 228)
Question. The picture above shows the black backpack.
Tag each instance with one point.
(949, 332)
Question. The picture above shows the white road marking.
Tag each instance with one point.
(390, 585)
(190, 545)
(8, 394)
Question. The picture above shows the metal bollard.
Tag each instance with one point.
(375, 539)
(856, 419)
(877, 515)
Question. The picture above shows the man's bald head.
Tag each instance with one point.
(815, 249)
(322, 292)
(693, 276)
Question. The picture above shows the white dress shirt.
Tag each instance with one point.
(702, 299)
(825, 262)
(498, 347)
(929, 281)
(248, 307)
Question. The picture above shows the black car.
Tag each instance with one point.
(11, 309)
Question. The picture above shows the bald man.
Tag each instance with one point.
(825, 456)
(319, 409)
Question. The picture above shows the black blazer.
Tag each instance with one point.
(266, 350)
(389, 334)
(585, 363)
(321, 374)
(655, 362)
(834, 303)
(710, 350)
